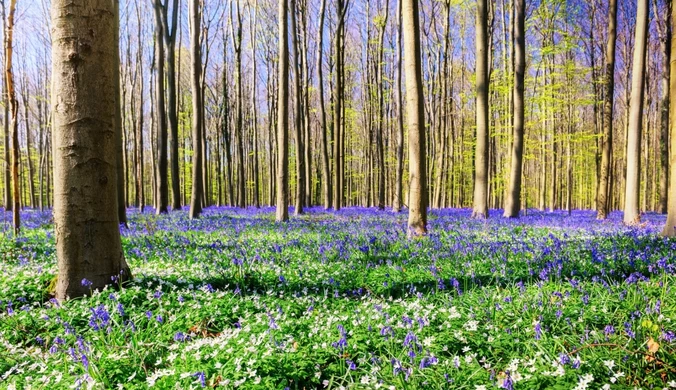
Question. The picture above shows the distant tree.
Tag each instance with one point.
(283, 116)
(631, 201)
(415, 106)
(88, 247)
(603, 190)
(513, 204)
(482, 83)
(197, 108)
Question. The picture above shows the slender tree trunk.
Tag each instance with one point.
(670, 226)
(417, 216)
(29, 160)
(603, 191)
(237, 44)
(6, 119)
(631, 203)
(88, 246)
(326, 165)
(665, 45)
(197, 108)
(283, 117)
(300, 163)
(481, 152)
(398, 192)
(160, 109)
(14, 111)
(513, 204)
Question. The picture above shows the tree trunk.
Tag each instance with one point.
(161, 202)
(6, 119)
(513, 204)
(88, 246)
(417, 216)
(282, 214)
(603, 190)
(197, 109)
(237, 45)
(665, 45)
(481, 153)
(326, 165)
(300, 163)
(14, 111)
(172, 117)
(670, 226)
(631, 201)
(398, 192)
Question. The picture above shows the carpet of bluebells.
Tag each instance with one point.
(344, 300)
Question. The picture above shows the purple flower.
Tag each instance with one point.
(608, 330)
(86, 283)
(538, 331)
(200, 376)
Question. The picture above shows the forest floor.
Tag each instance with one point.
(345, 300)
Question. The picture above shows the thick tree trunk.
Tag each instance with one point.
(283, 117)
(481, 153)
(417, 216)
(603, 190)
(631, 201)
(513, 204)
(88, 246)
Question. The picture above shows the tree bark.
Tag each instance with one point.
(84, 57)
(481, 153)
(326, 165)
(197, 108)
(670, 226)
(300, 163)
(513, 204)
(603, 190)
(417, 216)
(162, 196)
(14, 112)
(398, 184)
(282, 213)
(665, 46)
(631, 201)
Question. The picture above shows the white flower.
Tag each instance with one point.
(609, 363)
(479, 387)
